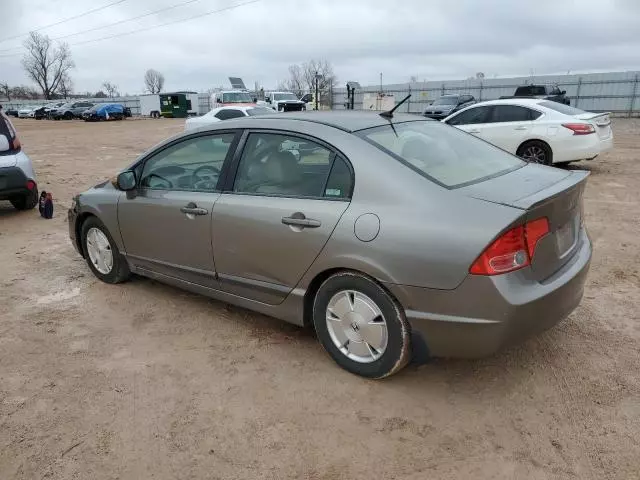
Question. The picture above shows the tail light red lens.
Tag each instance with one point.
(580, 128)
(511, 251)
(31, 185)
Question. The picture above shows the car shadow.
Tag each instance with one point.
(7, 210)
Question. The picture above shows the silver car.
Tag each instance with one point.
(395, 238)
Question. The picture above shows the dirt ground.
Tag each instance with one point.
(142, 380)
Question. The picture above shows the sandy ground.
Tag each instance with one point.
(142, 381)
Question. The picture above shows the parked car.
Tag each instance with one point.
(388, 235)
(12, 112)
(224, 113)
(70, 110)
(17, 178)
(542, 92)
(447, 104)
(26, 111)
(52, 106)
(284, 102)
(539, 131)
(104, 111)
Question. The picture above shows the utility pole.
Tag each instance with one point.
(317, 92)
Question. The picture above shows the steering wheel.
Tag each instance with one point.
(151, 175)
(205, 183)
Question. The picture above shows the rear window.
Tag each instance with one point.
(562, 108)
(531, 90)
(444, 154)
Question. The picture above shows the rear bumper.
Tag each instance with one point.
(580, 147)
(13, 182)
(486, 314)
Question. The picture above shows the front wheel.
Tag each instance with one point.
(68, 116)
(102, 254)
(361, 325)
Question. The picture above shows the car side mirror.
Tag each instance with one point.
(268, 100)
(126, 181)
(563, 92)
(5, 146)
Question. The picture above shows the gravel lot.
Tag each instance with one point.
(142, 380)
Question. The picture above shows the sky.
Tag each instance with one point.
(427, 39)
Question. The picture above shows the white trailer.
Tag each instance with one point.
(150, 105)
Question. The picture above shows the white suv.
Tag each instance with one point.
(17, 178)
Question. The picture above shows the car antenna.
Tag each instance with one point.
(389, 114)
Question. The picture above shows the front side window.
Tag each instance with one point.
(284, 96)
(280, 164)
(471, 116)
(445, 155)
(236, 97)
(191, 165)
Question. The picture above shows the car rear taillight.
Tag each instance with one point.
(580, 128)
(511, 251)
(31, 185)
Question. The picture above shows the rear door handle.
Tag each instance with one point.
(301, 221)
(192, 209)
(521, 128)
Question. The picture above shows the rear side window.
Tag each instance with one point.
(512, 113)
(445, 155)
(472, 116)
(286, 165)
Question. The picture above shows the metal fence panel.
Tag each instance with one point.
(616, 92)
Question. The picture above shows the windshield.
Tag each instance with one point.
(236, 97)
(562, 108)
(284, 96)
(258, 111)
(442, 153)
(446, 101)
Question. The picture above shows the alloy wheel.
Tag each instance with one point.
(99, 250)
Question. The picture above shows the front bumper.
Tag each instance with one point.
(13, 182)
(72, 217)
(485, 314)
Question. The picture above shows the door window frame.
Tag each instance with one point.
(530, 112)
(232, 172)
(138, 166)
(476, 106)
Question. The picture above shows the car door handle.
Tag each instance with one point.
(192, 209)
(521, 128)
(301, 221)
(474, 131)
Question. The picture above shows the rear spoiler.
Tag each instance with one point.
(577, 179)
(601, 119)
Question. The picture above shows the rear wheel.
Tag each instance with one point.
(68, 116)
(25, 202)
(102, 254)
(535, 151)
(361, 325)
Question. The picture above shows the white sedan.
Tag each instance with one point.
(537, 130)
(225, 113)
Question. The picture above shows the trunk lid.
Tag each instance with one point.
(541, 191)
(600, 121)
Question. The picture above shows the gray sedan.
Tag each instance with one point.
(395, 238)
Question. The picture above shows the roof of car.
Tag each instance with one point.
(513, 101)
(349, 121)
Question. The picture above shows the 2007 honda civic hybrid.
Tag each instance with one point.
(391, 236)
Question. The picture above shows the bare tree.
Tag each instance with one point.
(295, 82)
(45, 63)
(154, 81)
(66, 86)
(111, 89)
(6, 90)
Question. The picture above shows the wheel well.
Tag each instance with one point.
(79, 222)
(540, 141)
(314, 285)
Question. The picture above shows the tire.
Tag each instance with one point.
(371, 354)
(535, 151)
(68, 116)
(119, 271)
(25, 202)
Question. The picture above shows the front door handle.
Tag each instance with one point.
(192, 209)
(520, 128)
(474, 131)
(299, 220)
